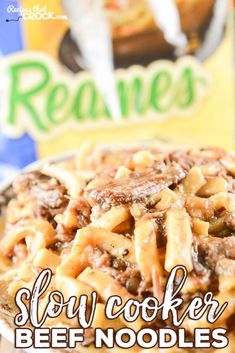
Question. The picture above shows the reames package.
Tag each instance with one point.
(114, 70)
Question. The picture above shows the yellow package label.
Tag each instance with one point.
(180, 93)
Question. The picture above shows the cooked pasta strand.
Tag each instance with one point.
(179, 240)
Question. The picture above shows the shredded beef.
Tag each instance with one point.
(183, 159)
(207, 156)
(212, 249)
(138, 186)
(48, 196)
(79, 210)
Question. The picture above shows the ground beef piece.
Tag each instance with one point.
(24, 181)
(118, 268)
(130, 278)
(198, 267)
(213, 249)
(138, 186)
(47, 194)
(119, 264)
(81, 209)
(97, 258)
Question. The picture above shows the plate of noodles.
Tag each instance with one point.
(117, 221)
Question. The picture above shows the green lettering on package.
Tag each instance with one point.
(85, 101)
(23, 97)
(56, 102)
(186, 88)
(160, 98)
(42, 99)
(131, 97)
